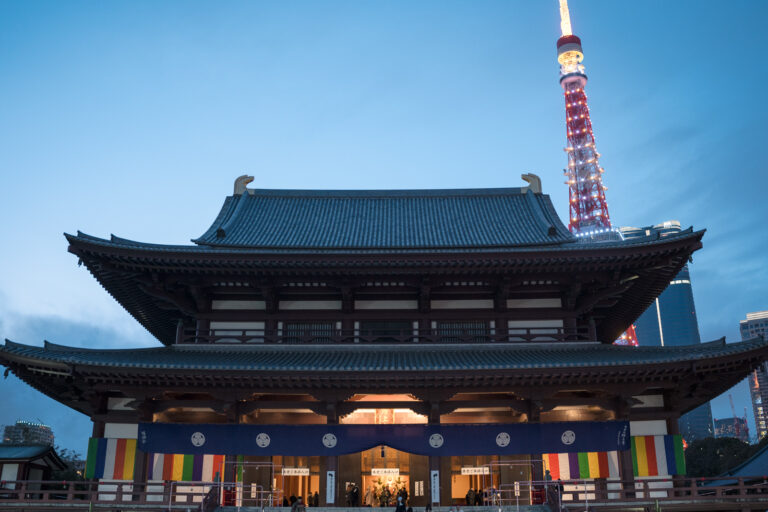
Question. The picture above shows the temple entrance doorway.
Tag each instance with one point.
(387, 473)
(489, 480)
(298, 476)
(382, 472)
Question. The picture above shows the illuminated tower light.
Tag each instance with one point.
(587, 204)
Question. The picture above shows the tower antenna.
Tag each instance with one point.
(565, 19)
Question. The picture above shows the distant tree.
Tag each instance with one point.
(72, 459)
(714, 456)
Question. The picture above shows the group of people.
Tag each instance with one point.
(297, 502)
(386, 496)
(474, 498)
(353, 495)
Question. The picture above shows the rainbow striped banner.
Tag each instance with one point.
(111, 459)
(583, 465)
(658, 455)
(187, 468)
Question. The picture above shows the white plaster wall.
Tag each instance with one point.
(462, 304)
(554, 302)
(649, 401)
(308, 305)
(118, 404)
(386, 304)
(534, 324)
(654, 485)
(121, 430)
(240, 326)
(9, 472)
(110, 486)
(249, 305)
(648, 428)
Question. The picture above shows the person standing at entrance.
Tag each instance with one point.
(355, 495)
(368, 498)
(384, 498)
(400, 505)
(298, 505)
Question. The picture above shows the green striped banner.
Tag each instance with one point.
(93, 454)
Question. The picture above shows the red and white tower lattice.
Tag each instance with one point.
(586, 193)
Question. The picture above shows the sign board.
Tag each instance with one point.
(295, 471)
(434, 478)
(330, 487)
(418, 488)
(469, 470)
(385, 471)
(517, 489)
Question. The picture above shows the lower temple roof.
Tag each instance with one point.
(687, 375)
(375, 358)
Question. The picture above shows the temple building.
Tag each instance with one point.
(434, 340)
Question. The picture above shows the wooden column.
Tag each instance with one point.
(202, 327)
(331, 463)
(534, 416)
(626, 472)
(570, 326)
(673, 428)
(144, 414)
(98, 428)
(179, 331)
(435, 462)
(592, 329)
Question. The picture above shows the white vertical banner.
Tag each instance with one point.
(330, 487)
(434, 477)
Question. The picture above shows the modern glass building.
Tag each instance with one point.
(26, 432)
(756, 324)
(732, 427)
(671, 321)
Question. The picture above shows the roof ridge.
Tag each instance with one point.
(386, 193)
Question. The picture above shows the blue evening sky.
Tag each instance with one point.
(134, 118)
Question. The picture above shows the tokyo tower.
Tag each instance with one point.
(588, 209)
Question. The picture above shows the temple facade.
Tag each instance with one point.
(437, 341)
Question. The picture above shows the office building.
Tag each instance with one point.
(671, 321)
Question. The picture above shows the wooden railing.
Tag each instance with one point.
(680, 493)
(149, 496)
(125, 495)
(607, 494)
(332, 337)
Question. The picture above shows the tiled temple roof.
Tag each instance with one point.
(386, 219)
(375, 358)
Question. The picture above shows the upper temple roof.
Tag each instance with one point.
(386, 219)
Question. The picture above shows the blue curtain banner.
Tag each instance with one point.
(453, 439)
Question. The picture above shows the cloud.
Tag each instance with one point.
(20, 401)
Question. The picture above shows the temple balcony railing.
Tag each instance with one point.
(358, 336)
(667, 493)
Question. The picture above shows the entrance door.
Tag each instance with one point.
(388, 473)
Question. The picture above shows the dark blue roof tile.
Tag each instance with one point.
(374, 358)
(386, 219)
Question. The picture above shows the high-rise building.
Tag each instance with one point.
(732, 427)
(755, 325)
(26, 432)
(671, 321)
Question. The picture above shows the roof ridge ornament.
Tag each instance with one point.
(534, 183)
(240, 184)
